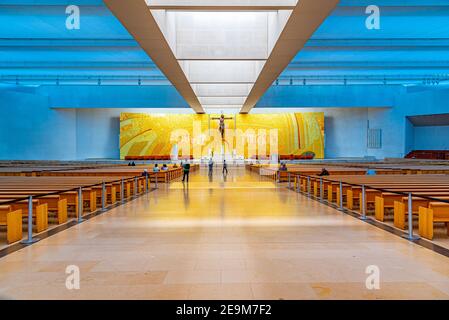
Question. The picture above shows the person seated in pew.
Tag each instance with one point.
(145, 173)
(156, 168)
(371, 172)
(324, 173)
(283, 167)
(133, 164)
(175, 166)
(164, 167)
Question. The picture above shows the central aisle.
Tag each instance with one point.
(236, 238)
(240, 194)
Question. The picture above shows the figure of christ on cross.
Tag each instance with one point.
(221, 126)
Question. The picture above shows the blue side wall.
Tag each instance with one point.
(83, 122)
(29, 129)
(80, 121)
(431, 138)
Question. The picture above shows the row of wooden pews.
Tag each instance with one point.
(55, 191)
(386, 195)
(348, 168)
(161, 176)
(114, 171)
(31, 169)
(404, 167)
(172, 173)
(272, 171)
(55, 199)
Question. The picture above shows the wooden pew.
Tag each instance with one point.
(13, 222)
(54, 204)
(399, 204)
(436, 212)
(60, 203)
(13, 187)
(436, 186)
(40, 212)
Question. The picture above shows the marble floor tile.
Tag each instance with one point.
(239, 239)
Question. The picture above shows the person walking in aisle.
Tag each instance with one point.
(211, 166)
(186, 168)
(225, 167)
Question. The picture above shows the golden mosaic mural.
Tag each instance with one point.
(245, 135)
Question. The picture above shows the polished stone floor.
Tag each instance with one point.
(234, 238)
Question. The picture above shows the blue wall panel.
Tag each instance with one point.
(88, 126)
(31, 130)
(431, 138)
(329, 96)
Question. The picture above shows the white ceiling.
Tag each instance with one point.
(221, 3)
(221, 52)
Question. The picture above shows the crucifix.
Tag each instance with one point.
(221, 126)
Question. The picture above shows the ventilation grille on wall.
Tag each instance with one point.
(374, 138)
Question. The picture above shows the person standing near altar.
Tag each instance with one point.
(211, 166)
(225, 167)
